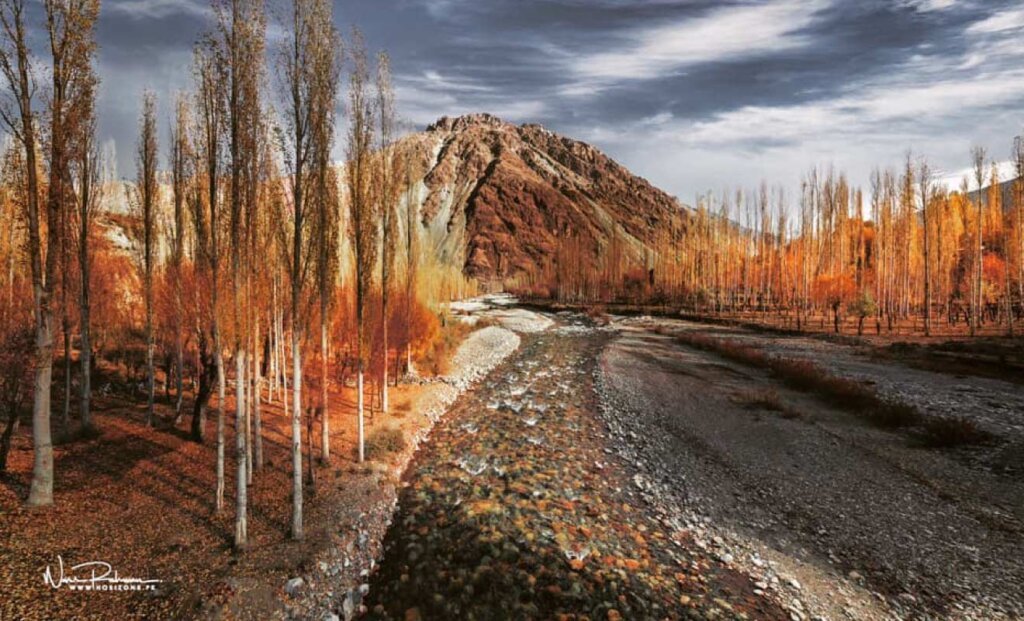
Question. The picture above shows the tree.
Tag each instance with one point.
(143, 200)
(862, 307)
(180, 160)
(924, 183)
(978, 156)
(210, 76)
(242, 30)
(325, 75)
(363, 225)
(18, 113)
(309, 70)
(387, 191)
(411, 225)
(89, 188)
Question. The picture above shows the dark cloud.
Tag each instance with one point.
(625, 73)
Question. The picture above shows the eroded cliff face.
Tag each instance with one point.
(499, 199)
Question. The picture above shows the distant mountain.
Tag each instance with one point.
(499, 198)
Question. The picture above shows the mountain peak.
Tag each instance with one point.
(499, 200)
(459, 123)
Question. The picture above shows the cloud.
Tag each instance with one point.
(723, 34)
(1010, 20)
(158, 9)
(925, 6)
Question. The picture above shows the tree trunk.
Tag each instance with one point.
(359, 398)
(179, 361)
(66, 412)
(202, 397)
(311, 476)
(384, 378)
(41, 491)
(257, 418)
(241, 480)
(221, 390)
(150, 376)
(85, 357)
(325, 438)
(296, 434)
(5, 439)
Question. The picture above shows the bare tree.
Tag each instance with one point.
(143, 199)
(411, 250)
(242, 26)
(70, 29)
(210, 109)
(324, 49)
(89, 188)
(924, 184)
(978, 156)
(363, 224)
(180, 160)
(1018, 204)
(309, 69)
(387, 193)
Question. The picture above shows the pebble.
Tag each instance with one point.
(292, 586)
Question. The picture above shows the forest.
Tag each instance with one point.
(905, 256)
(245, 261)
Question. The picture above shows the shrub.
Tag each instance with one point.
(950, 431)
(767, 400)
(808, 377)
(383, 442)
(762, 400)
(893, 414)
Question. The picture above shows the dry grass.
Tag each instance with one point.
(383, 442)
(950, 431)
(842, 392)
(436, 359)
(767, 400)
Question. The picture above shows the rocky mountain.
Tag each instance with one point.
(500, 198)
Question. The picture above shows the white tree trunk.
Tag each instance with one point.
(220, 425)
(257, 397)
(41, 492)
(241, 500)
(296, 437)
(359, 393)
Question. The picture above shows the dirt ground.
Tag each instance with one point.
(515, 509)
(601, 471)
(870, 523)
(143, 500)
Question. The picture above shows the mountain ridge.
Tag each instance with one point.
(501, 197)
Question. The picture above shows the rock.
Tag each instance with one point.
(793, 582)
(855, 575)
(350, 606)
(292, 586)
(908, 598)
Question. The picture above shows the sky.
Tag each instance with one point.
(694, 95)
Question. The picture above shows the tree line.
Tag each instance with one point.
(906, 256)
(250, 260)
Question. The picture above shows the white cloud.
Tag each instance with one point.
(425, 98)
(723, 34)
(1004, 21)
(156, 9)
(930, 5)
(937, 106)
